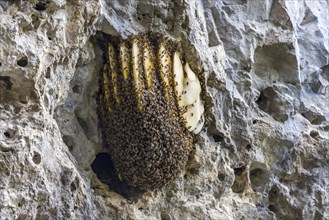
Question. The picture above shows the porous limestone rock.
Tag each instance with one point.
(262, 154)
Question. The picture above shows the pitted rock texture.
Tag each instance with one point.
(262, 154)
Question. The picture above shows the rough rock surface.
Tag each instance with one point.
(262, 154)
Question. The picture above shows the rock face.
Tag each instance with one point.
(262, 154)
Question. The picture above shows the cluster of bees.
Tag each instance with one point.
(149, 108)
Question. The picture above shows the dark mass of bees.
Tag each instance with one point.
(149, 108)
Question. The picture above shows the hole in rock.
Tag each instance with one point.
(326, 127)
(41, 5)
(318, 215)
(51, 35)
(75, 184)
(76, 89)
(314, 117)
(238, 171)
(262, 100)
(48, 73)
(104, 168)
(234, 2)
(165, 216)
(279, 16)
(271, 102)
(21, 203)
(314, 134)
(318, 120)
(216, 134)
(259, 176)
(69, 141)
(36, 158)
(316, 86)
(276, 62)
(227, 141)
(9, 133)
(248, 147)
(272, 208)
(325, 72)
(35, 21)
(241, 180)
(22, 62)
(281, 205)
(7, 82)
(221, 176)
(218, 138)
(191, 171)
(66, 176)
(73, 187)
(66, 60)
(83, 124)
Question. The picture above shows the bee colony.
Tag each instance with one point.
(150, 109)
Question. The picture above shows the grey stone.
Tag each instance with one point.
(262, 154)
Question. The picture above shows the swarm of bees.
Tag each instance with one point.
(150, 109)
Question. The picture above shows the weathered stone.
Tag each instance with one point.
(254, 158)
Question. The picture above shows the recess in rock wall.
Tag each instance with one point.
(5, 82)
(215, 133)
(325, 72)
(104, 168)
(241, 179)
(69, 141)
(10, 89)
(276, 62)
(22, 62)
(318, 80)
(10, 133)
(324, 79)
(165, 216)
(36, 157)
(259, 176)
(234, 2)
(270, 102)
(279, 204)
(41, 5)
(313, 115)
(279, 16)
